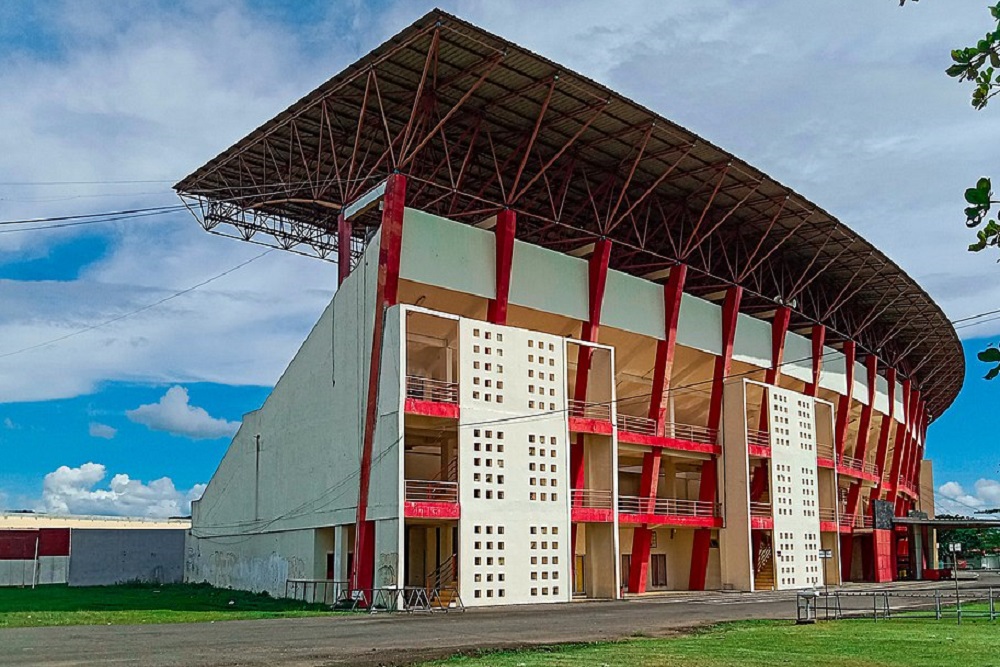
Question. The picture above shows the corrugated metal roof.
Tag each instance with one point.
(598, 165)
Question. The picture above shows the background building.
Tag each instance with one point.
(38, 549)
(576, 349)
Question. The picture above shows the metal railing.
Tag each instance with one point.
(585, 410)
(759, 438)
(632, 424)
(825, 451)
(591, 499)
(445, 575)
(761, 510)
(858, 465)
(700, 434)
(429, 389)
(667, 506)
(827, 514)
(420, 490)
(886, 605)
(315, 591)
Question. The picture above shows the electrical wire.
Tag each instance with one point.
(136, 311)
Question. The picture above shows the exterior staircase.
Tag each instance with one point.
(763, 576)
(442, 587)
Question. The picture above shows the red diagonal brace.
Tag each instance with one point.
(818, 340)
(882, 452)
(343, 249)
(387, 289)
(504, 232)
(673, 293)
(707, 487)
(844, 405)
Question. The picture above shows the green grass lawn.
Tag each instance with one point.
(849, 643)
(135, 604)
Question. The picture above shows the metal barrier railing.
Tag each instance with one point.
(759, 438)
(761, 510)
(585, 410)
(825, 451)
(633, 424)
(667, 506)
(700, 434)
(315, 591)
(884, 605)
(429, 389)
(826, 514)
(592, 499)
(419, 490)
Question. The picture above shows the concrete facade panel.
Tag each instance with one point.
(106, 557)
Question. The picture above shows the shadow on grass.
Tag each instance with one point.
(144, 597)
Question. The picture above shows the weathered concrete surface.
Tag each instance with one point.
(372, 640)
(104, 557)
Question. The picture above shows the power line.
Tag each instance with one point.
(136, 311)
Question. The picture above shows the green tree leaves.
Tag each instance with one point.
(991, 355)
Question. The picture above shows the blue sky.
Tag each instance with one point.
(846, 102)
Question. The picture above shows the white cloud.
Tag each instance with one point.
(74, 491)
(954, 499)
(9, 424)
(174, 414)
(98, 430)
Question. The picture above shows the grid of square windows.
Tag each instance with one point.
(489, 561)
(488, 472)
(543, 388)
(545, 572)
(543, 468)
(487, 365)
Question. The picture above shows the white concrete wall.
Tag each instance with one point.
(254, 526)
(438, 252)
(513, 467)
(794, 490)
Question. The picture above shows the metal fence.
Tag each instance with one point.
(938, 604)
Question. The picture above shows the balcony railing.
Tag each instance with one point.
(667, 506)
(825, 451)
(858, 465)
(641, 425)
(691, 433)
(422, 491)
(761, 510)
(585, 410)
(826, 514)
(592, 499)
(429, 389)
(759, 438)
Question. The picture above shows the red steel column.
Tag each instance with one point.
(882, 452)
(899, 446)
(918, 444)
(344, 228)
(673, 292)
(387, 290)
(844, 404)
(504, 232)
(860, 452)
(818, 340)
(709, 471)
(642, 536)
(909, 447)
(597, 276)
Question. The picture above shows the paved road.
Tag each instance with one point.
(397, 639)
(348, 640)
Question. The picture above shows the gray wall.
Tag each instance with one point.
(101, 557)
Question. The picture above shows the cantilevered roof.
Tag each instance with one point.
(478, 123)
